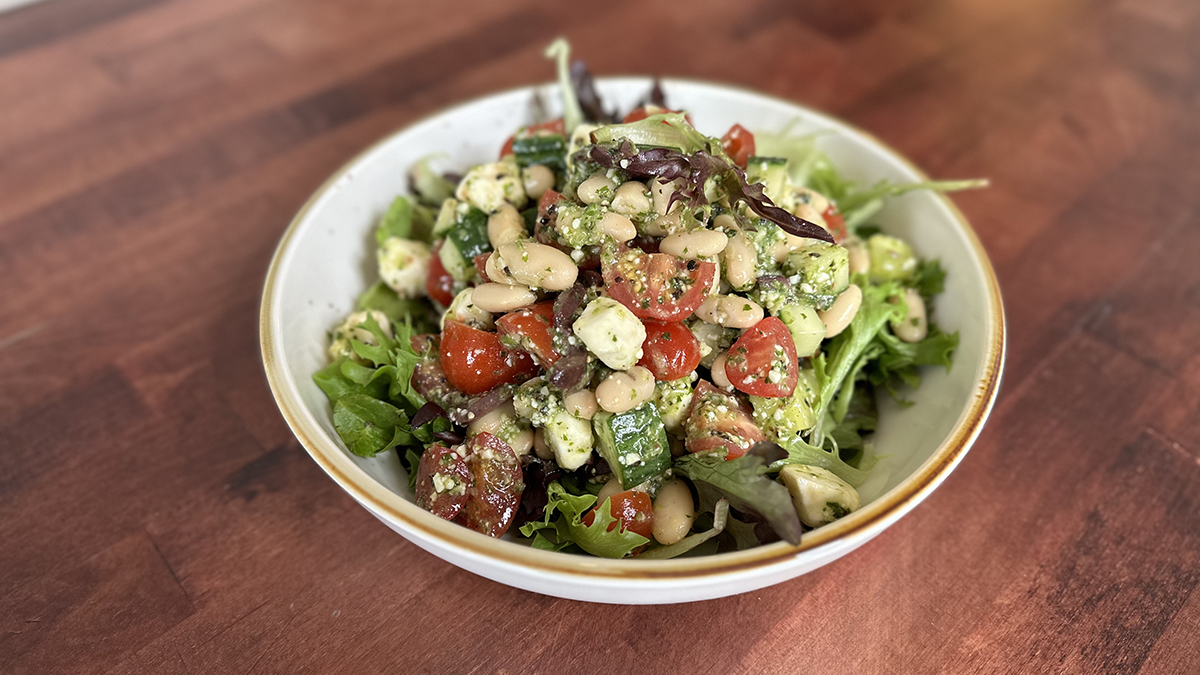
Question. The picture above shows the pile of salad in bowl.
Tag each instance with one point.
(625, 337)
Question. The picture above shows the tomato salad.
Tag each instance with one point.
(649, 341)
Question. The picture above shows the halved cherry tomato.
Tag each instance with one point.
(531, 327)
(835, 222)
(439, 285)
(443, 480)
(480, 262)
(553, 126)
(657, 285)
(763, 360)
(476, 361)
(647, 110)
(496, 485)
(720, 422)
(670, 350)
(738, 143)
(633, 510)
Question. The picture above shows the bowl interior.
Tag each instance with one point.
(327, 258)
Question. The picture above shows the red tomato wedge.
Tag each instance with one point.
(633, 510)
(553, 126)
(670, 351)
(657, 285)
(763, 361)
(496, 485)
(533, 328)
(476, 361)
(835, 223)
(439, 285)
(720, 422)
(738, 143)
(442, 482)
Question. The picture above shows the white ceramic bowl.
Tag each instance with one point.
(326, 258)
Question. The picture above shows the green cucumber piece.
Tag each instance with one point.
(892, 259)
(546, 149)
(806, 327)
(772, 172)
(634, 443)
(823, 270)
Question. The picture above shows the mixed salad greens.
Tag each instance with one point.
(651, 341)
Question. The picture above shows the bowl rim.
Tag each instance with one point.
(860, 525)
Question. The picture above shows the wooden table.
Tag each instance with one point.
(158, 517)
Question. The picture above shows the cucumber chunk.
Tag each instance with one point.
(772, 172)
(806, 327)
(891, 258)
(634, 444)
(823, 272)
(546, 149)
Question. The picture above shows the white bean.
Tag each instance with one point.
(505, 226)
(591, 189)
(661, 194)
(780, 250)
(817, 201)
(537, 178)
(581, 404)
(540, 448)
(631, 199)
(501, 298)
(741, 262)
(674, 512)
(915, 326)
(538, 265)
(860, 257)
(842, 311)
(730, 311)
(692, 245)
(497, 272)
(495, 423)
(719, 376)
(622, 391)
(611, 488)
(725, 222)
(662, 225)
(617, 226)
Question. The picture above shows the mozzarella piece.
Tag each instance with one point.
(611, 332)
(490, 186)
(404, 265)
(570, 437)
(820, 496)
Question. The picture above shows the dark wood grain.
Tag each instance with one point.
(159, 517)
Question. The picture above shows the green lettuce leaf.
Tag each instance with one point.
(367, 425)
(668, 130)
(929, 279)
(742, 482)
(560, 51)
(417, 310)
(563, 518)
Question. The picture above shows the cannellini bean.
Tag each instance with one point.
(540, 448)
(661, 193)
(495, 423)
(780, 250)
(674, 512)
(842, 311)
(662, 225)
(725, 222)
(581, 404)
(631, 199)
(497, 272)
(692, 245)
(719, 377)
(860, 257)
(590, 190)
(730, 311)
(915, 326)
(538, 265)
(741, 262)
(626, 390)
(611, 488)
(817, 201)
(500, 298)
(537, 179)
(505, 226)
(617, 226)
